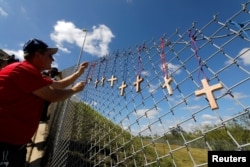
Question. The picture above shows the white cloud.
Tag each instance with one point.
(145, 73)
(209, 117)
(23, 10)
(235, 95)
(96, 43)
(205, 123)
(240, 95)
(149, 113)
(245, 56)
(153, 88)
(2, 12)
(172, 68)
(195, 107)
(228, 62)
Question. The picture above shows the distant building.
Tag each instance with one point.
(3, 58)
(3, 54)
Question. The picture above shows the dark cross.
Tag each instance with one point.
(137, 83)
(111, 80)
(167, 84)
(122, 87)
(96, 83)
(208, 90)
(89, 79)
(102, 81)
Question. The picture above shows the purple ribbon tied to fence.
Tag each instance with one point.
(195, 47)
(91, 71)
(140, 49)
(163, 59)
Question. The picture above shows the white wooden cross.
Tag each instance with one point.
(122, 87)
(208, 90)
(137, 83)
(167, 84)
(111, 80)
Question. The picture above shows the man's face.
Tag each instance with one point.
(47, 59)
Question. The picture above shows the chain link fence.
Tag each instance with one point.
(165, 102)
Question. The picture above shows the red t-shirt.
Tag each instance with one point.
(20, 109)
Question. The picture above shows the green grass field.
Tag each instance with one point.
(90, 125)
(182, 156)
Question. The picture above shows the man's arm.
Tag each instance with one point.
(51, 94)
(63, 83)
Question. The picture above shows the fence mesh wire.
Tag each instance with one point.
(192, 96)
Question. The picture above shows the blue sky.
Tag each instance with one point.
(120, 24)
(112, 24)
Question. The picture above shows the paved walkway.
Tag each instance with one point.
(35, 151)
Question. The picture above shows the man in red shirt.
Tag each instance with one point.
(23, 91)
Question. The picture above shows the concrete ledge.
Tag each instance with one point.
(35, 150)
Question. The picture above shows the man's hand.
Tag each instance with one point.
(82, 68)
(79, 86)
(52, 94)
